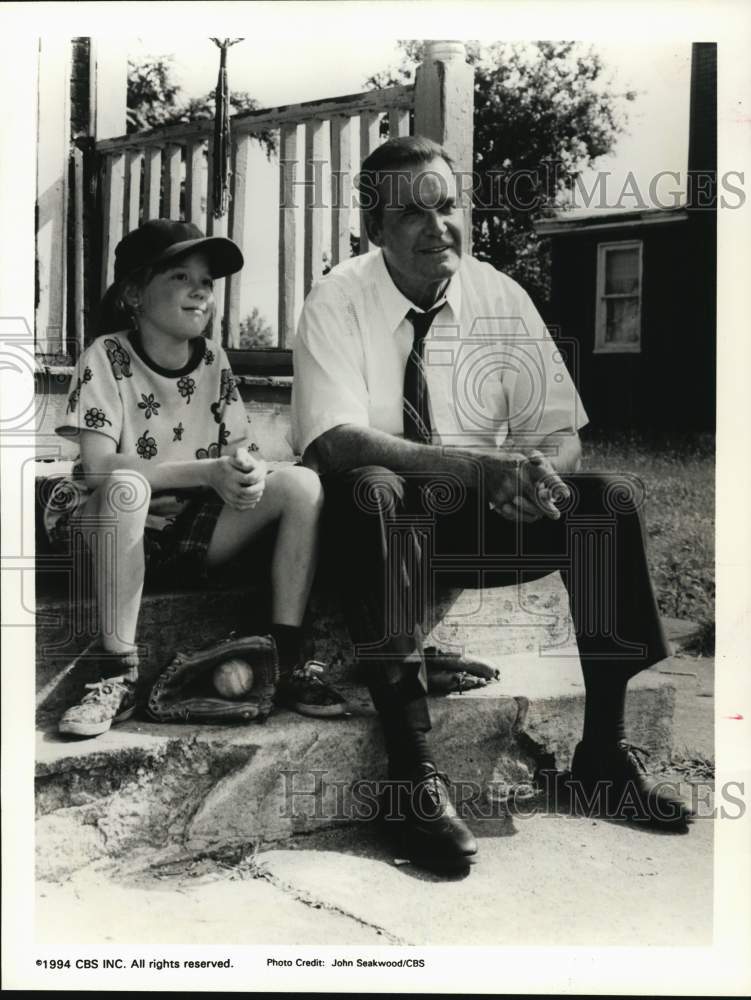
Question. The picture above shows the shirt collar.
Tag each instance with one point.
(396, 306)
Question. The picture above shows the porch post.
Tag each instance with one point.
(52, 194)
(109, 67)
(444, 105)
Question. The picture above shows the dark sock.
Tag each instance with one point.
(405, 751)
(604, 708)
(288, 639)
(109, 664)
(403, 712)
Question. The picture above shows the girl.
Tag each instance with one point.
(165, 481)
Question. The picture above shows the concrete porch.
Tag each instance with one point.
(206, 789)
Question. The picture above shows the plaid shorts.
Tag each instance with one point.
(174, 554)
(177, 553)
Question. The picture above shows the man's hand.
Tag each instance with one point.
(523, 487)
(239, 479)
(519, 484)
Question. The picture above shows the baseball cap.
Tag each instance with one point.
(155, 242)
(161, 240)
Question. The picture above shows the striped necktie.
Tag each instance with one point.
(417, 425)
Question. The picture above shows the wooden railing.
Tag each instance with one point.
(165, 173)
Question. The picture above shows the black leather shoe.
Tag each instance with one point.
(429, 831)
(613, 783)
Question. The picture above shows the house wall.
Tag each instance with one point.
(669, 384)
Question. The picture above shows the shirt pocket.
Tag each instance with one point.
(385, 384)
(477, 391)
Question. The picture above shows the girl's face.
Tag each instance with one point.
(178, 302)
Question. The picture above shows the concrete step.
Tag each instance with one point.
(508, 619)
(503, 621)
(207, 789)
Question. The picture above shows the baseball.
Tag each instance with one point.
(233, 678)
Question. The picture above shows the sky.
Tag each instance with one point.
(285, 69)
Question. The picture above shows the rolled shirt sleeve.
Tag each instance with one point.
(329, 386)
(541, 396)
(94, 403)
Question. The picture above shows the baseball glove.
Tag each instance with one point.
(449, 673)
(184, 692)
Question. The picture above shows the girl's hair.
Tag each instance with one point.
(115, 313)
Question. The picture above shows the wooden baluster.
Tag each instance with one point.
(114, 190)
(195, 177)
(152, 183)
(133, 202)
(172, 179)
(314, 203)
(237, 210)
(368, 141)
(398, 122)
(341, 187)
(287, 233)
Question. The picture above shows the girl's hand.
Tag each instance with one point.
(243, 459)
(238, 482)
(255, 470)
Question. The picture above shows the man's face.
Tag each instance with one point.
(420, 228)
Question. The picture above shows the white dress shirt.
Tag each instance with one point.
(491, 366)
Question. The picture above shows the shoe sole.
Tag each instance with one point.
(440, 864)
(443, 866)
(651, 820)
(315, 711)
(320, 711)
(93, 728)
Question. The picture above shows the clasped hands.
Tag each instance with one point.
(239, 479)
(523, 486)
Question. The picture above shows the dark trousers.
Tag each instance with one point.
(402, 546)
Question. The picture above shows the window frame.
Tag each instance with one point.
(600, 345)
(269, 362)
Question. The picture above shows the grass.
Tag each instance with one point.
(678, 476)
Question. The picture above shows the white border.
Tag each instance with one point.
(722, 969)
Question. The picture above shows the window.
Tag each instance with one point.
(618, 312)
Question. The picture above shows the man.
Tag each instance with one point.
(434, 404)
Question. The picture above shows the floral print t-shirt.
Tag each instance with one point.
(155, 413)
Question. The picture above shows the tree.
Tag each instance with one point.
(155, 99)
(255, 332)
(543, 113)
(152, 93)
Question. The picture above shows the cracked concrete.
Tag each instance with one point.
(129, 798)
(320, 902)
(542, 878)
(208, 909)
(209, 788)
